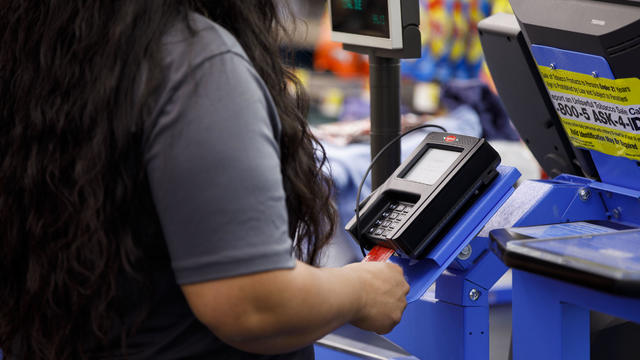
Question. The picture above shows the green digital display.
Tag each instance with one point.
(361, 17)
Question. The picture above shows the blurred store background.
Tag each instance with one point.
(448, 86)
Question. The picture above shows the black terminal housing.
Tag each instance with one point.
(411, 217)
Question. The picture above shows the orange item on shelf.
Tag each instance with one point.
(330, 56)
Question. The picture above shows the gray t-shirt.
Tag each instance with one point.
(213, 163)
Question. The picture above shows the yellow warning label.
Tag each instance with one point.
(597, 114)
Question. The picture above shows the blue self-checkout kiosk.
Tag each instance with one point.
(559, 67)
(567, 71)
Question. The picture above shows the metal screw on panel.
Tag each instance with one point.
(617, 213)
(595, 74)
(474, 294)
(465, 253)
(553, 66)
(584, 194)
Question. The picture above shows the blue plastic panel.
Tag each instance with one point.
(612, 170)
(421, 274)
(552, 207)
(571, 61)
(561, 202)
(556, 313)
(432, 329)
(616, 170)
(418, 335)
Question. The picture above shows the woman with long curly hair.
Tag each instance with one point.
(161, 195)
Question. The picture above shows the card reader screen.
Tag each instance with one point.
(361, 17)
(431, 166)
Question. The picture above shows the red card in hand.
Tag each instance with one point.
(379, 254)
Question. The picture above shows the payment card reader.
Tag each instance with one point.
(419, 202)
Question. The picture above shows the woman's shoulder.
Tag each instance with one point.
(192, 42)
(204, 63)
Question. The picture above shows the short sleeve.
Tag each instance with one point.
(213, 165)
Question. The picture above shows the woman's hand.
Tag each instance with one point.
(384, 292)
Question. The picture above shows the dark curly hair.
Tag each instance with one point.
(77, 214)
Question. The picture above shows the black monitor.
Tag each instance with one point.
(367, 23)
(386, 28)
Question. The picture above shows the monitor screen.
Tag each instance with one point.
(361, 17)
(431, 166)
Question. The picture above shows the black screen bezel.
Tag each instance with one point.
(337, 21)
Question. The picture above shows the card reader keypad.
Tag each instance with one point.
(390, 219)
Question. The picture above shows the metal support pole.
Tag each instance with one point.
(385, 116)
